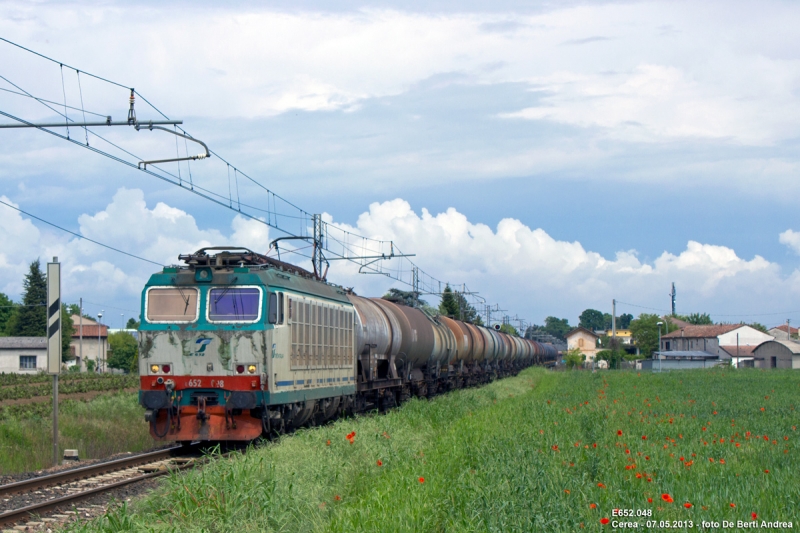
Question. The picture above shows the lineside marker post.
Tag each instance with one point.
(54, 340)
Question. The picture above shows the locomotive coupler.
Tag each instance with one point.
(202, 416)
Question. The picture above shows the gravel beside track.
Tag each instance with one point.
(40, 502)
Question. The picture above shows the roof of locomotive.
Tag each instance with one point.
(245, 268)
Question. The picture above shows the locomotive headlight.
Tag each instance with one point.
(251, 369)
(154, 369)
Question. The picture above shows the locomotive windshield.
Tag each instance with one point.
(229, 304)
(176, 304)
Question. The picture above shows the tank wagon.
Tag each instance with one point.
(234, 344)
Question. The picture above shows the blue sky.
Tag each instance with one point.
(551, 156)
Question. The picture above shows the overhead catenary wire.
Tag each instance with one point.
(79, 235)
(397, 271)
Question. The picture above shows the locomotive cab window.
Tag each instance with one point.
(234, 304)
(171, 304)
(276, 308)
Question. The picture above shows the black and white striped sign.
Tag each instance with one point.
(54, 317)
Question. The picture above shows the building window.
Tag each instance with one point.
(27, 362)
(667, 346)
(580, 343)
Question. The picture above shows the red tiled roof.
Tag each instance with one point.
(580, 328)
(783, 328)
(742, 351)
(702, 332)
(676, 321)
(89, 331)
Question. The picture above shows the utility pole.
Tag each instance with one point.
(415, 285)
(80, 328)
(319, 236)
(613, 324)
(672, 295)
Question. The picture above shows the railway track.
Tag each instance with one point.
(21, 503)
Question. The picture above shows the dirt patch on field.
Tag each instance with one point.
(61, 397)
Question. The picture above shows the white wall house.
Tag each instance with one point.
(730, 342)
(23, 355)
(93, 346)
(584, 340)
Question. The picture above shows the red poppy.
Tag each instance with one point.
(628, 452)
(704, 429)
(647, 457)
(422, 480)
(649, 500)
(687, 505)
(766, 471)
(667, 498)
(680, 458)
(604, 520)
(328, 443)
(566, 491)
(337, 498)
(714, 413)
(601, 485)
(733, 505)
(594, 445)
(722, 461)
(754, 515)
(785, 438)
(554, 447)
(592, 506)
(619, 432)
(380, 463)
(644, 437)
(638, 475)
(711, 459)
(762, 408)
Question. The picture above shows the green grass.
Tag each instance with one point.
(106, 425)
(28, 386)
(488, 460)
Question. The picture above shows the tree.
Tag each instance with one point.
(591, 319)
(557, 327)
(124, 351)
(132, 324)
(574, 357)
(760, 327)
(699, 319)
(67, 329)
(30, 320)
(624, 321)
(449, 304)
(75, 309)
(7, 308)
(394, 295)
(612, 356)
(508, 329)
(644, 331)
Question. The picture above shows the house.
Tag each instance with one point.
(623, 335)
(23, 355)
(777, 354)
(89, 343)
(779, 332)
(732, 343)
(584, 340)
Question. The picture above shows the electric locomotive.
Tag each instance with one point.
(234, 344)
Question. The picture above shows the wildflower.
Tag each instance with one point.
(386, 435)
(604, 520)
(754, 515)
(644, 437)
(601, 485)
(649, 500)
(554, 447)
(722, 461)
(714, 413)
(337, 497)
(733, 505)
(566, 491)
(380, 463)
(738, 445)
(592, 506)
(687, 505)
(594, 445)
(647, 457)
(680, 458)
(619, 433)
(766, 471)
(703, 429)
(785, 438)
(627, 452)
(762, 409)
(711, 459)
(328, 443)
(638, 475)
(541, 432)
(667, 498)
(705, 508)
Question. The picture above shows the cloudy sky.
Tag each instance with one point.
(552, 156)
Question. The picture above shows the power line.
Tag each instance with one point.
(80, 236)
(667, 311)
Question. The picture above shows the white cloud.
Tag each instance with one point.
(523, 269)
(791, 239)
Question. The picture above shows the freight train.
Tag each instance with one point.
(234, 345)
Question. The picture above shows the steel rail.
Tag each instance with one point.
(75, 474)
(17, 515)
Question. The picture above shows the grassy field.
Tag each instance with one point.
(539, 452)
(108, 424)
